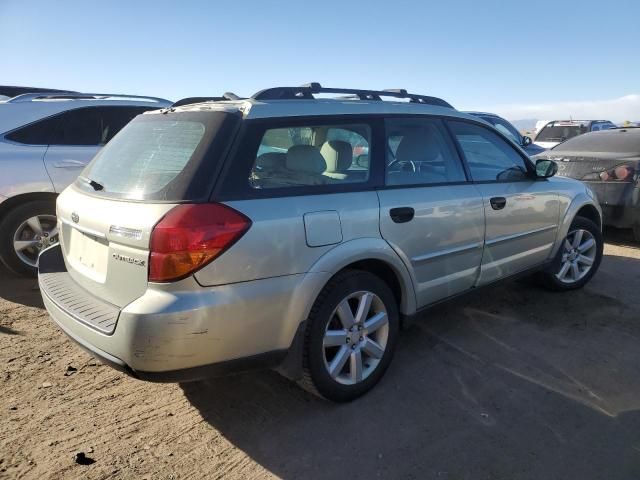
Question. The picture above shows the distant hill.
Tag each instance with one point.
(526, 124)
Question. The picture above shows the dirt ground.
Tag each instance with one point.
(510, 382)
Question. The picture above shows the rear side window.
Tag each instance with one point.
(89, 126)
(489, 156)
(312, 155)
(419, 152)
(169, 157)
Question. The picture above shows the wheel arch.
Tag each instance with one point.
(17, 200)
(583, 206)
(375, 256)
(590, 212)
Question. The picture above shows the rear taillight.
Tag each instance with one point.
(190, 236)
(620, 173)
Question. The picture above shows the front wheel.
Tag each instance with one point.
(350, 336)
(578, 258)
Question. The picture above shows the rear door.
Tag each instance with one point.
(521, 210)
(77, 135)
(429, 213)
(304, 186)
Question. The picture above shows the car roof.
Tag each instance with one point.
(576, 122)
(257, 109)
(27, 108)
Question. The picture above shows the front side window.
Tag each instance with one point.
(419, 153)
(489, 156)
(312, 155)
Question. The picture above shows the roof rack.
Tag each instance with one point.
(190, 100)
(307, 91)
(29, 97)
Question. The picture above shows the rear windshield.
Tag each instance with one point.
(166, 157)
(560, 133)
(624, 141)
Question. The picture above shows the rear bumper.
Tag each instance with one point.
(620, 203)
(182, 331)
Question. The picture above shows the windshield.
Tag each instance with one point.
(168, 157)
(560, 133)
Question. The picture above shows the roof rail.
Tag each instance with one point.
(307, 91)
(13, 91)
(28, 97)
(190, 100)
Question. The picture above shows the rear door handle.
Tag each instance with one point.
(402, 214)
(498, 203)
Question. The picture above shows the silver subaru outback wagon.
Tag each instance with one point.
(296, 232)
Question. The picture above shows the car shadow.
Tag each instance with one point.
(620, 237)
(17, 289)
(507, 382)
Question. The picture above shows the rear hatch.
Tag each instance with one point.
(106, 217)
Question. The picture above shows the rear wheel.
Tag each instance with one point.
(25, 231)
(578, 258)
(350, 337)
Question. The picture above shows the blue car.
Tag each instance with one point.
(510, 131)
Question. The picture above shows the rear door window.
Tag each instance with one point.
(89, 126)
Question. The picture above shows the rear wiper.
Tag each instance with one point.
(95, 185)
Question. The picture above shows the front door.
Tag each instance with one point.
(521, 211)
(431, 216)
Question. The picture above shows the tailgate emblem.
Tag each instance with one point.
(127, 259)
(75, 217)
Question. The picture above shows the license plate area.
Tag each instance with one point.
(88, 254)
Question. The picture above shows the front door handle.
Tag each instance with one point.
(402, 214)
(69, 163)
(498, 203)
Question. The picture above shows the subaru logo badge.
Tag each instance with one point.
(75, 217)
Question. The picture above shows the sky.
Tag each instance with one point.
(541, 59)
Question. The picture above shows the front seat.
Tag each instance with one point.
(423, 148)
(305, 165)
(338, 156)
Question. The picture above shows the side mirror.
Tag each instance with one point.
(526, 141)
(546, 168)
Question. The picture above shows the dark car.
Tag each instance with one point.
(510, 131)
(558, 131)
(609, 162)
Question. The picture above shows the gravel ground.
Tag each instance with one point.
(510, 382)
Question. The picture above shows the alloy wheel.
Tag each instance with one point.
(356, 338)
(579, 251)
(34, 235)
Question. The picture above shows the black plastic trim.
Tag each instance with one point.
(254, 362)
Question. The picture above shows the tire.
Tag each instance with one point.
(553, 279)
(13, 222)
(370, 340)
(636, 233)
